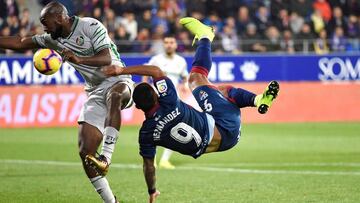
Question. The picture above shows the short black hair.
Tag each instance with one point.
(169, 35)
(144, 96)
(55, 7)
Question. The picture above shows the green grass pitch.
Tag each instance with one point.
(310, 162)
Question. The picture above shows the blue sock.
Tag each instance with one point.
(242, 98)
(202, 60)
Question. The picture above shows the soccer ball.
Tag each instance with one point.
(47, 61)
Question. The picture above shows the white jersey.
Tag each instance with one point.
(88, 36)
(175, 67)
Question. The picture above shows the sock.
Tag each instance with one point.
(257, 98)
(242, 98)
(102, 187)
(109, 141)
(202, 60)
(166, 155)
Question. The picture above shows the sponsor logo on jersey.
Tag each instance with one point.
(80, 40)
(161, 86)
(157, 117)
(203, 95)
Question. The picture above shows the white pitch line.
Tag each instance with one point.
(345, 164)
(257, 171)
(198, 168)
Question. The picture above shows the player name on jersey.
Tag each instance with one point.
(161, 123)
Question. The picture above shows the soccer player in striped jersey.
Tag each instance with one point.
(85, 44)
(171, 123)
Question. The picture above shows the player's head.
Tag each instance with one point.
(170, 44)
(53, 17)
(144, 97)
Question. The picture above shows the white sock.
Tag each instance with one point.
(109, 141)
(102, 187)
(166, 155)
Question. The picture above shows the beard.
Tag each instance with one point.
(169, 51)
(57, 33)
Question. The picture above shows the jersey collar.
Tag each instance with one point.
(75, 23)
(151, 112)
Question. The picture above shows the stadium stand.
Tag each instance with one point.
(285, 26)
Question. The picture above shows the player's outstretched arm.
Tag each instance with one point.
(17, 43)
(101, 58)
(150, 178)
(147, 70)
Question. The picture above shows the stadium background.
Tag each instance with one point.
(311, 47)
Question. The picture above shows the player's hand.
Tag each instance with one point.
(112, 70)
(70, 56)
(153, 196)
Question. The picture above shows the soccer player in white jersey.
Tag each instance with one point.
(175, 67)
(85, 44)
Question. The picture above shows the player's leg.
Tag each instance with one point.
(117, 98)
(243, 98)
(89, 140)
(202, 65)
(202, 61)
(164, 161)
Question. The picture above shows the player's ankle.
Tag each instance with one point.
(107, 157)
(257, 100)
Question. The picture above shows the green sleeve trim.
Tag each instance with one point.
(97, 31)
(102, 39)
(114, 50)
(104, 46)
(99, 36)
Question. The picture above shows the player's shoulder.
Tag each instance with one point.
(89, 23)
(89, 20)
(180, 58)
(158, 57)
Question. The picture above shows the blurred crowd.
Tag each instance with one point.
(138, 26)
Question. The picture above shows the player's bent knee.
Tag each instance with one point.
(197, 79)
(89, 139)
(82, 153)
(115, 97)
(118, 98)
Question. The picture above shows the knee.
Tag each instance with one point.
(83, 149)
(89, 139)
(115, 98)
(196, 79)
(83, 152)
(193, 77)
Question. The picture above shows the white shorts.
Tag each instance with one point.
(94, 109)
